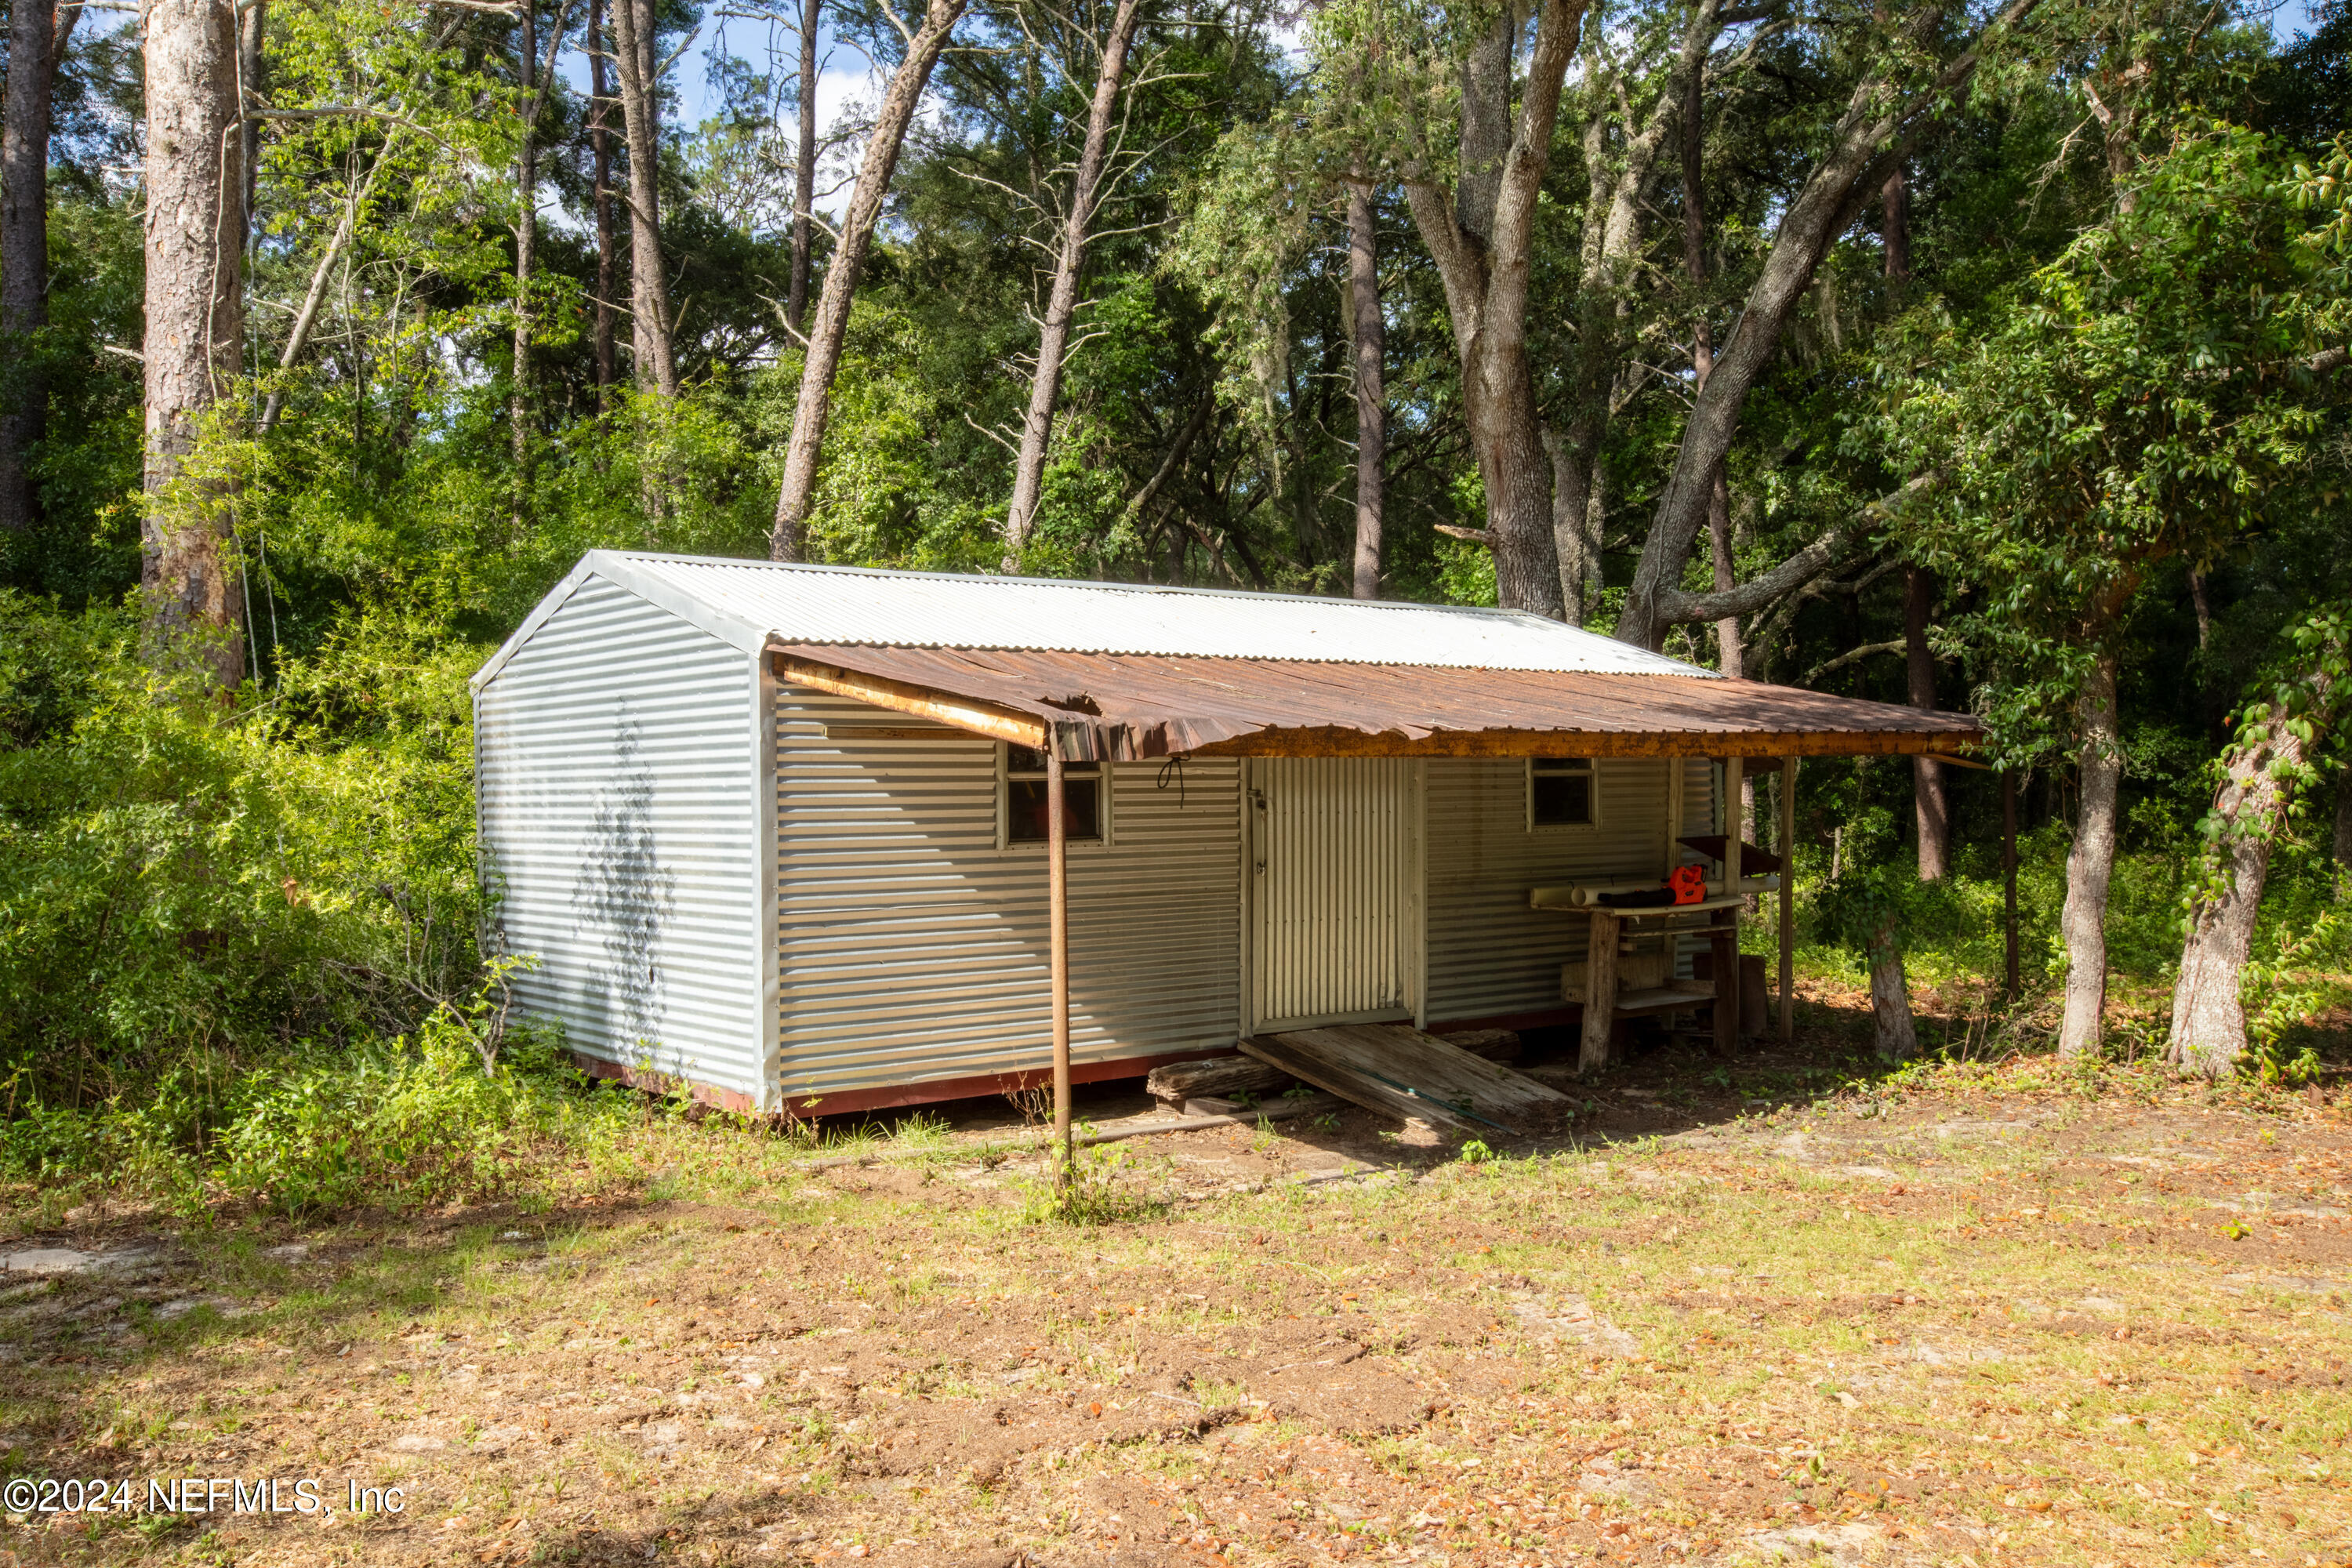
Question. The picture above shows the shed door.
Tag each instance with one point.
(1336, 890)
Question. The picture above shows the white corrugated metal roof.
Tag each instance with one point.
(750, 603)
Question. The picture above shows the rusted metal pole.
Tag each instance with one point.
(1058, 882)
(1788, 847)
(2009, 878)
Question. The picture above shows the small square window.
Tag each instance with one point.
(1562, 792)
(1025, 797)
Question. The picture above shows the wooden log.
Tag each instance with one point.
(1754, 1010)
(1600, 975)
(1217, 1077)
(1723, 968)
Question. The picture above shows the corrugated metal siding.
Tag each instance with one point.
(1489, 953)
(1334, 857)
(616, 801)
(917, 609)
(912, 948)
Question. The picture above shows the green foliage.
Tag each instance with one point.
(236, 942)
(182, 890)
(2298, 699)
(400, 1123)
(2148, 395)
(1090, 1193)
(2285, 990)
(1881, 908)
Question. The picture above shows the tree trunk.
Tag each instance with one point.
(788, 540)
(1866, 146)
(1730, 654)
(297, 337)
(194, 320)
(253, 34)
(1577, 516)
(1893, 1033)
(804, 169)
(632, 30)
(2089, 865)
(1894, 230)
(526, 234)
(600, 145)
(1730, 651)
(1486, 141)
(1930, 807)
(1061, 301)
(2343, 843)
(1368, 328)
(2208, 1020)
(1482, 236)
(36, 41)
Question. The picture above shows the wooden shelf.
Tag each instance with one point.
(1662, 999)
(1728, 900)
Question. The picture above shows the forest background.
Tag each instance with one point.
(1970, 355)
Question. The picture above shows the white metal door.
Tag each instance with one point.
(1337, 889)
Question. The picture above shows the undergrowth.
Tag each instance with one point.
(239, 965)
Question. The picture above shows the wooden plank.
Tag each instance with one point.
(1330, 741)
(1226, 1078)
(988, 718)
(1377, 1065)
(1334, 1076)
(1600, 982)
(1663, 999)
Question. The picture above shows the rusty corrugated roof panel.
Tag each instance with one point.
(1134, 705)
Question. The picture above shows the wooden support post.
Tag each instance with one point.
(2009, 878)
(1600, 991)
(1673, 849)
(1057, 880)
(1727, 947)
(1787, 848)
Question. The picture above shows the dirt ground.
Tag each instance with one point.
(1735, 1315)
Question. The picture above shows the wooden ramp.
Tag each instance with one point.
(1400, 1072)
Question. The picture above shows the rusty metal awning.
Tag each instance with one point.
(1127, 707)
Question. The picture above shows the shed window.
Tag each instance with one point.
(1025, 797)
(1562, 792)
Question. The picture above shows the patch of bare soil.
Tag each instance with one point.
(1995, 1320)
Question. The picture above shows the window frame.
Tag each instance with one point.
(1104, 794)
(1592, 795)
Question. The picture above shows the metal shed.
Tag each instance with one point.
(779, 832)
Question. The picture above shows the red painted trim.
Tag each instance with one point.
(884, 1098)
(973, 1087)
(662, 1083)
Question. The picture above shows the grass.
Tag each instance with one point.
(1986, 1310)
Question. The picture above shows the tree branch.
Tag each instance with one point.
(1849, 656)
(1806, 564)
